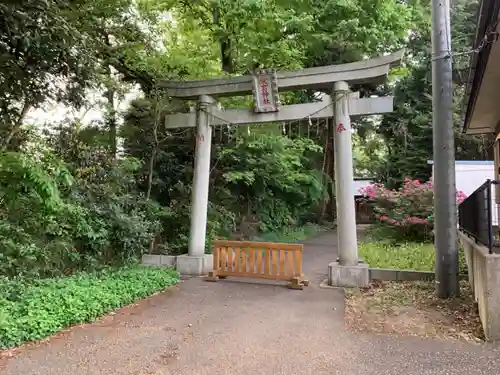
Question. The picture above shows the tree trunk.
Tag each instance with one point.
(111, 114)
(327, 211)
(150, 173)
(17, 125)
(224, 43)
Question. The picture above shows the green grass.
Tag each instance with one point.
(405, 256)
(292, 235)
(30, 311)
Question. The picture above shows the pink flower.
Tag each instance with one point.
(417, 220)
(388, 220)
(461, 196)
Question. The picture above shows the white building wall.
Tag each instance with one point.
(471, 174)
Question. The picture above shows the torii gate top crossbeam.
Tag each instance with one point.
(366, 71)
(357, 107)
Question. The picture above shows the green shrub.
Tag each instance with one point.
(32, 310)
(56, 219)
(273, 179)
(118, 223)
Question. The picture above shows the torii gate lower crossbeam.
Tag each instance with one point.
(348, 270)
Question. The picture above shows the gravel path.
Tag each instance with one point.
(234, 327)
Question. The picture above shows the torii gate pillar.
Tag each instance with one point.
(196, 262)
(347, 271)
(201, 178)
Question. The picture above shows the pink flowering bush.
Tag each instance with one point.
(408, 211)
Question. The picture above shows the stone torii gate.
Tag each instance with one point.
(348, 270)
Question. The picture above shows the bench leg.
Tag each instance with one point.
(212, 276)
(296, 284)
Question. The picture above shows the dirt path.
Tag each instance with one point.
(234, 327)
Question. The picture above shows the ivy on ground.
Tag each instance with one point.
(33, 310)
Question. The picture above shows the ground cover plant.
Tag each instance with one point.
(33, 310)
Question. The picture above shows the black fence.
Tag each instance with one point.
(475, 215)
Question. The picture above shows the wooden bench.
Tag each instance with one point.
(261, 260)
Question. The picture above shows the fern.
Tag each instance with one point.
(22, 175)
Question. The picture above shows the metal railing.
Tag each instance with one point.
(475, 215)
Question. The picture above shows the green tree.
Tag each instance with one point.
(56, 50)
(272, 179)
(407, 132)
(43, 56)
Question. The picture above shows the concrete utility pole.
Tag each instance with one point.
(445, 206)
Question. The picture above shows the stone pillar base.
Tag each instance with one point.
(194, 265)
(348, 276)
